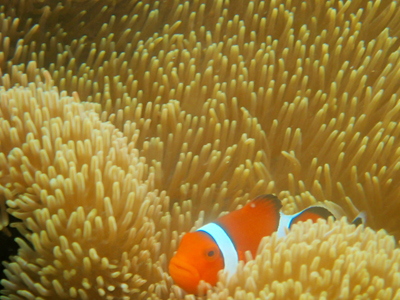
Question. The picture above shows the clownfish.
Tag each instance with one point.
(222, 243)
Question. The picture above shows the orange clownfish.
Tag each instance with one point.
(222, 244)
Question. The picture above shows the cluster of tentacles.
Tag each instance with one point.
(126, 123)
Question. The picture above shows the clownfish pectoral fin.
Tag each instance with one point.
(360, 219)
(312, 213)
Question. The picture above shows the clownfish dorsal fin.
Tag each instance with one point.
(311, 213)
(267, 203)
(248, 225)
(360, 219)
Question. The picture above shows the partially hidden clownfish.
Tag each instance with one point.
(222, 243)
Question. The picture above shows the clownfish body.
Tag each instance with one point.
(222, 244)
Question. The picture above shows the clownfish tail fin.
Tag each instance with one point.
(314, 213)
(361, 219)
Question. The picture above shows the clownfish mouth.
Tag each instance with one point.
(184, 275)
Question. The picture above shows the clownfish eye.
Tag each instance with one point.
(211, 253)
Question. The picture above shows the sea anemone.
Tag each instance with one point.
(79, 189)
(125, 124)
(324, 261)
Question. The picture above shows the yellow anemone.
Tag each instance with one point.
(125, 124)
